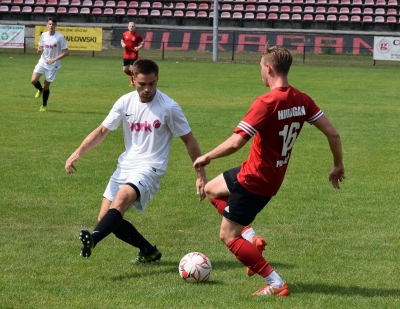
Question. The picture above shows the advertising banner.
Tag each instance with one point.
(12, 36)
(90, 39)
(386, 48)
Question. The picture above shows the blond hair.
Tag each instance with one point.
(278, 57)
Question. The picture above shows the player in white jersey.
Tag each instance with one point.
(150, 119)
(53, 47)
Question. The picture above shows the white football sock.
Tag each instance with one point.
(248, 234)
(274, 280)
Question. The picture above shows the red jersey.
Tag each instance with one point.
(275, 120)
(131, 40)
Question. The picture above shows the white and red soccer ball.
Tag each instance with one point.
(195, 267)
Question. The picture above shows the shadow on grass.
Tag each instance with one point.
(329, 289)
(74, 112)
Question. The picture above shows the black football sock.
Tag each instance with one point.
(109, 223)
(46, 94)
(38, 86)
(129, 234)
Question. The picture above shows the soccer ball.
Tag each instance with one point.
(195, 267)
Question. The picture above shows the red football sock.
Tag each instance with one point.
(129, 73)
(249, 256)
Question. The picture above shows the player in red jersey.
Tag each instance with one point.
(131, 42)
(274, 120)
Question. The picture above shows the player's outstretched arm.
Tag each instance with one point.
(194, 151)
(91, 141)
(337, 173)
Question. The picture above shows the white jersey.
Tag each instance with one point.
(53, 45)
(148, 129)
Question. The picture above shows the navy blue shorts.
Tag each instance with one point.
(242, 206)
(127, 62)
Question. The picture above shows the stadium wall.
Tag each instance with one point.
(231, 39)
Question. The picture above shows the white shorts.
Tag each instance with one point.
(50, 74)
(147, 181)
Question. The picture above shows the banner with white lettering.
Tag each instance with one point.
(77, 38)
(12, 36)
(386, 48)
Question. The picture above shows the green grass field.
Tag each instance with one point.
(336, 249)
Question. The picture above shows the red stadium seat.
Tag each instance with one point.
(356, 11)
(297, 9)
(131, 12)
(331, 18)
(97, 11)
(145, 4)
(308, 17)
(225, 15)
(110, 4)
(179, 13)
(355, 19)
(261, 16)
(343, 18)
(75, 2)
(144, 12)
(73, 10)
(272, 16)
(238, 7)
(166, 13)
(202, 14)
(285, 8)
(237, 15)
(85, 11)
(262, 8)
(273, 8)
(191, 6)
(98, 3)
(190, 14)
(332, 10)
(62, 10)
(119, 11)
(180, 6)
(133, 4)
(320, 17)
(27, 9)
(391, 19)
(344, 10)
(38, 9)
(367, 19)
(284, 16)
(249, 15)
(203, 6)
(296, 17)
(64, 2)
(87, 3)
(122, 4)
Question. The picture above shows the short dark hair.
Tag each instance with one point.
(145, 67)
(52, 19)
(278, 57)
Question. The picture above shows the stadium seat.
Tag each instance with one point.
(274, 1)
(50, 10)
(309, 9)
(331, 18)
(273, 8)
(131, 12)
(345, 2)
(262, 1)
(4, 8)
(52, 2)
(357, 2)
(191, 6)
(356, 11)
(298, 1)
(367, 19)
(369, 2)
(262, 8)
(284, 16)
(97, 11)
(202, 14)
(297, 9)
(122, 4)
(166, 13)
(190, 14)
(145, 4)
(26, 9)
(62, 10)
(343, 18)
(319, 17)
(98, 3)
(344, 10)
(272, 16)
(6, 2)
(261, 16)
(249, 15)
(391, 19)
(110, 4)
(18, 2)
(237, 15)
(391, 12)
(355, 19)
(225, 15)
(87, 3)
(64, 2)
(38, 9)
(296, 17)
(133, 4)
(380, 11)
(334, 2)
(41, 2)
(143, 12)
(310, 2)
(178, 13)
(332, 10)
(75, 2)
(73, 10)
(392, 3)
(368, 11)
(285, 8)
(203, 6)
(238, 7)
(287, 1)
(379, 19)
(180, 6)
(29, 2)
(119, 11)
(226, 7)
(381, 2)
(322, 2)
(308, 17)
(84, 11)
(320, 10)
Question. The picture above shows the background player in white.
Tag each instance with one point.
(150, 119)
(274, 120)
(53, 47)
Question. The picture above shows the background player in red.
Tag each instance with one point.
(131, 42)
(274, 120)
